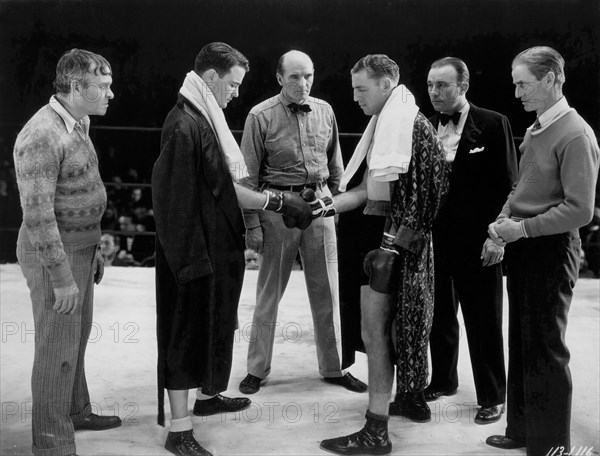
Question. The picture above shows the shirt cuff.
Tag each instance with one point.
(523, 230)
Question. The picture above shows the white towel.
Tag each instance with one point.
(199, 94)
(391, 133)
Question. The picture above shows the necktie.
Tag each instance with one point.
(536, 125)
(444, 118)
(80, 131)
(296, 108)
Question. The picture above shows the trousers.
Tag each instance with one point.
(479, 291)
(58, 385)
(318, 252)
(541, 275)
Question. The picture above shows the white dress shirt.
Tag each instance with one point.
(450, 133)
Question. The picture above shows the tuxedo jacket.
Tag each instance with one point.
(482, 175)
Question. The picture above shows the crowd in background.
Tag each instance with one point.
(129, 209)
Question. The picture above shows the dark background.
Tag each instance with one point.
(151, 45)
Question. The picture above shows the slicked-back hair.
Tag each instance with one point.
(220, 57)
(75, 65)
(540, 60)
(377, 66)
(462, 72)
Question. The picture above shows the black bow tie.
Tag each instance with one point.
(296, 108)
(444, 118)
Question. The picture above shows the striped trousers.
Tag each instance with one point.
(58, 386)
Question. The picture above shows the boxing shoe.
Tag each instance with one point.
(371, 439)
(412, 406)
(220, 404)
(184, 444)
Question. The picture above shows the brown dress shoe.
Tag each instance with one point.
(433, 394)
(250, 384)
(349, 382)
(94, 422)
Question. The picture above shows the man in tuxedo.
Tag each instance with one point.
(480, 148)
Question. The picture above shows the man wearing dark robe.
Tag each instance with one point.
(200, 245)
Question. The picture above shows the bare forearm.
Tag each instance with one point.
(249, 199)
(351, 199)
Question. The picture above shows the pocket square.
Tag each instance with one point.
(477, 149)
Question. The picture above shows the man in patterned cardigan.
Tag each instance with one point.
(63, 200)
(405, 181)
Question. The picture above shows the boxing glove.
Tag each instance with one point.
(381, 266)
(322, 207)
(296, 213)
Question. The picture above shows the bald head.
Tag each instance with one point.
(295, 72)
(291, 56)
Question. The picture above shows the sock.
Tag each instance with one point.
(203, 397)
(374, 416)
(181, 424)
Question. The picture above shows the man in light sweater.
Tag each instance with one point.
(63, 200)
(552, 199)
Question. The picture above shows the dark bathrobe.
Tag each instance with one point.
(199, 256)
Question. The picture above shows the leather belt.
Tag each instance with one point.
(295, 188)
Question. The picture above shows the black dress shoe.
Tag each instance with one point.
(184, 444)
(487, 415)
(371, 439)
(349, 382)
(503, 442)
(220, 404)
(412, 406)
(94, 422)
(433, 394)
(250, 384)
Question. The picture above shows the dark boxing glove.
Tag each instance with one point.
(381, 265)
(296, 213)
(322, 207)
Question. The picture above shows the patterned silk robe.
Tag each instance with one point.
(415, 200)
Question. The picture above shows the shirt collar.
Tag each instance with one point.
(558, 109)
(67, 118)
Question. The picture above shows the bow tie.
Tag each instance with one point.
(296, 108)
(444, 118)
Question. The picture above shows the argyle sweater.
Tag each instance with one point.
(61, 193)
